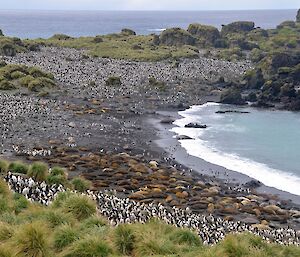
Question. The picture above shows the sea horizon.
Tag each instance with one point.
(45, 23)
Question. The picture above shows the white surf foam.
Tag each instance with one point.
(156, 30)
(279, 179)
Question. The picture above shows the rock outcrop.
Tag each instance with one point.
(128, 32)
(207, 34)
(176, 37)
(7, 50)
(232, 96)
(298, 16)
(238, 27)
(1, 33)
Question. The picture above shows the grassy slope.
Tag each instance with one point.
(139, 48)
(71, 227)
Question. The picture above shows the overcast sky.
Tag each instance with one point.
(149, 4)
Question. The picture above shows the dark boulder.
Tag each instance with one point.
(253, 184)
(231, 111)
(8, 50)
(128, 32)
(98, 39)
(232, 96)
(60, 37)
(284, 59)
(254, 79)
(208, 34)
(238, 27)
(113, 81)
(167, 120)
(195, 125)
(183, 137)
(257, 34)
(155, 40)
(252, 97)
(176, 37)
(1, 33)
(298, 16)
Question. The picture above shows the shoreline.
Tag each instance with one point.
(172, 146)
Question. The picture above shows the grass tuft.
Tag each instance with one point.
(3, 166)
(18, 167)
(64, 236)
(81, 184)
(38, 171)
(32, 240)
(124, 239)
(80, 206)
(90, 246)
(185, 236)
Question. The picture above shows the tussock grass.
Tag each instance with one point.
(18, 167)
(32, 240)
(81, 184)
(124, 239)
(90, 246)
(3, 166)
(4, 190)
(185, 236)
(6, 231)
(94, 221)
(80, 206)
(40, 231)
(57, 217)
(64, 236)
(38, 171)
(6, 251)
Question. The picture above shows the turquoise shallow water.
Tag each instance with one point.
(262, 144)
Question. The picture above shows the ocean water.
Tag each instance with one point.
(35, 24)
(262, 144)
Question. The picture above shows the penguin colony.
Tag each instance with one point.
(118, 210)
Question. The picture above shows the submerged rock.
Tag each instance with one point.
(195, 125)
(183, 137)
